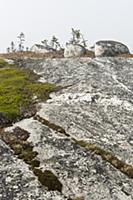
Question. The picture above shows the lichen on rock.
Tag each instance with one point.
(83, 133)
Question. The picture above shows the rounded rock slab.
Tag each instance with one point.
(108, 48)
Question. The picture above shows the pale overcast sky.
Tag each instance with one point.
(40, 19)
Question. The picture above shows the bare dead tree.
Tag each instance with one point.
(76, 35)
(83, 42)
(77, 38)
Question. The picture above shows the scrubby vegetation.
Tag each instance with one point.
(107, 156)
(29, 54)
(17, 140)
(3, 63)
(19, 92)
(48, 179)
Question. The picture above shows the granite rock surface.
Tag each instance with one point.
(94, 107)
(74, 50)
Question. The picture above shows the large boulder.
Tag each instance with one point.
(38, 48)
(109, 48)
(74, 50)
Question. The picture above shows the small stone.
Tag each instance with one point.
(8, 179)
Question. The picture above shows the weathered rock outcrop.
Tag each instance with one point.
(109, 48)
(37, 48)
(74, 50)
(83, 133)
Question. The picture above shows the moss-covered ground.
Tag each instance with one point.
(3, 63)
(19, 90)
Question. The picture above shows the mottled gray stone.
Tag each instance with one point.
(109, 48)
(81, 172)
(97, 107)
(74, 50)
(17, 181)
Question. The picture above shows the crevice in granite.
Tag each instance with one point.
(17, 141)
(105, 155)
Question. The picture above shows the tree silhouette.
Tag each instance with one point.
(12, 47)
(27, 48)
(21, 38)
(76, 35)
(55, 43)
(8, 49)
(83, 42)
(45, 42)
(77, 38)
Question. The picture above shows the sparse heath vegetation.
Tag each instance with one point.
(19, 92)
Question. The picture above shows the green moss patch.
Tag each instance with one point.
(19, 93)
(3, 63)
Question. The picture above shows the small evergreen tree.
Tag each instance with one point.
(27, 48)
(21, 38)
(8, 49)
(55, 43)
(12, 47)
(45, 42)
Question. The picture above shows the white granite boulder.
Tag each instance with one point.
(74, 50)
(38, 48)
(108, 48)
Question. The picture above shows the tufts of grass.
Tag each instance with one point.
(107, 156)
(51, 125)
(3, 63)
(17, 140)
(27, 155)
(76, 198)
(19, 93)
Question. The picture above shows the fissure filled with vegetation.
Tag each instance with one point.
(24, 150)
(19, 91)
(105, 155)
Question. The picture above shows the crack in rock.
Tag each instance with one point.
(17, 141)
(105, 155)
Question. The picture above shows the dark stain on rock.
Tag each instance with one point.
(48, 179)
